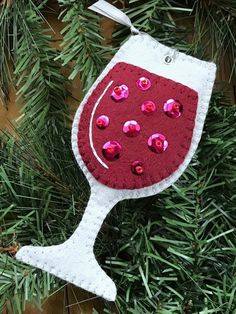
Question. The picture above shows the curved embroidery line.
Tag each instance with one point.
(90, 126)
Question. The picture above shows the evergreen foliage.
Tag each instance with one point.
(82, 43)
(216, 19)
(177, 252)
(170, 253)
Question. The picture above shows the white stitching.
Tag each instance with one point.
(201, 113)
(91, 129)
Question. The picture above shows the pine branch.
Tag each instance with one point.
(157, 18)
(41, 86)
(215, 29)
(5, 43)
(82, 43)
(178, 254)
(41, 185)
(21, 283)
(171, 253)
(38, 205)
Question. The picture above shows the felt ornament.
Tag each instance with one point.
(133, 136)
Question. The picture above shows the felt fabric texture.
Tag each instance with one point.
(145, 52)
(178, 131)
(73, 260)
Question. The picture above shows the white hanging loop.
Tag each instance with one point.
(110, 11)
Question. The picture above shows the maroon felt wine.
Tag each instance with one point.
(141, 126)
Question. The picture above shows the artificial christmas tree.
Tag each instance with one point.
(168, 254)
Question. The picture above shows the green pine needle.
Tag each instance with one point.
(171, 253)
(82, 44)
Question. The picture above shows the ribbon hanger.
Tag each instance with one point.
(104, 8)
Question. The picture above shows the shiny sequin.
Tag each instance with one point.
(144, 83)
(137, 167)
(157, 143)
(173, 108)
(148, 107)
(102, 122)
(120, 92)
(131, 128)
(111, 150)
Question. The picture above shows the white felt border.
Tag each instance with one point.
(143, 51)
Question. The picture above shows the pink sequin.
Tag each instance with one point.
(111, 150)
(102, 122)
(173, 108)
(157, 143)
(144, 83)
(137, 167)
(148, 107)
(131, 128)
(120, 92)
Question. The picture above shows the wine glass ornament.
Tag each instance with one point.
(133, 136)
